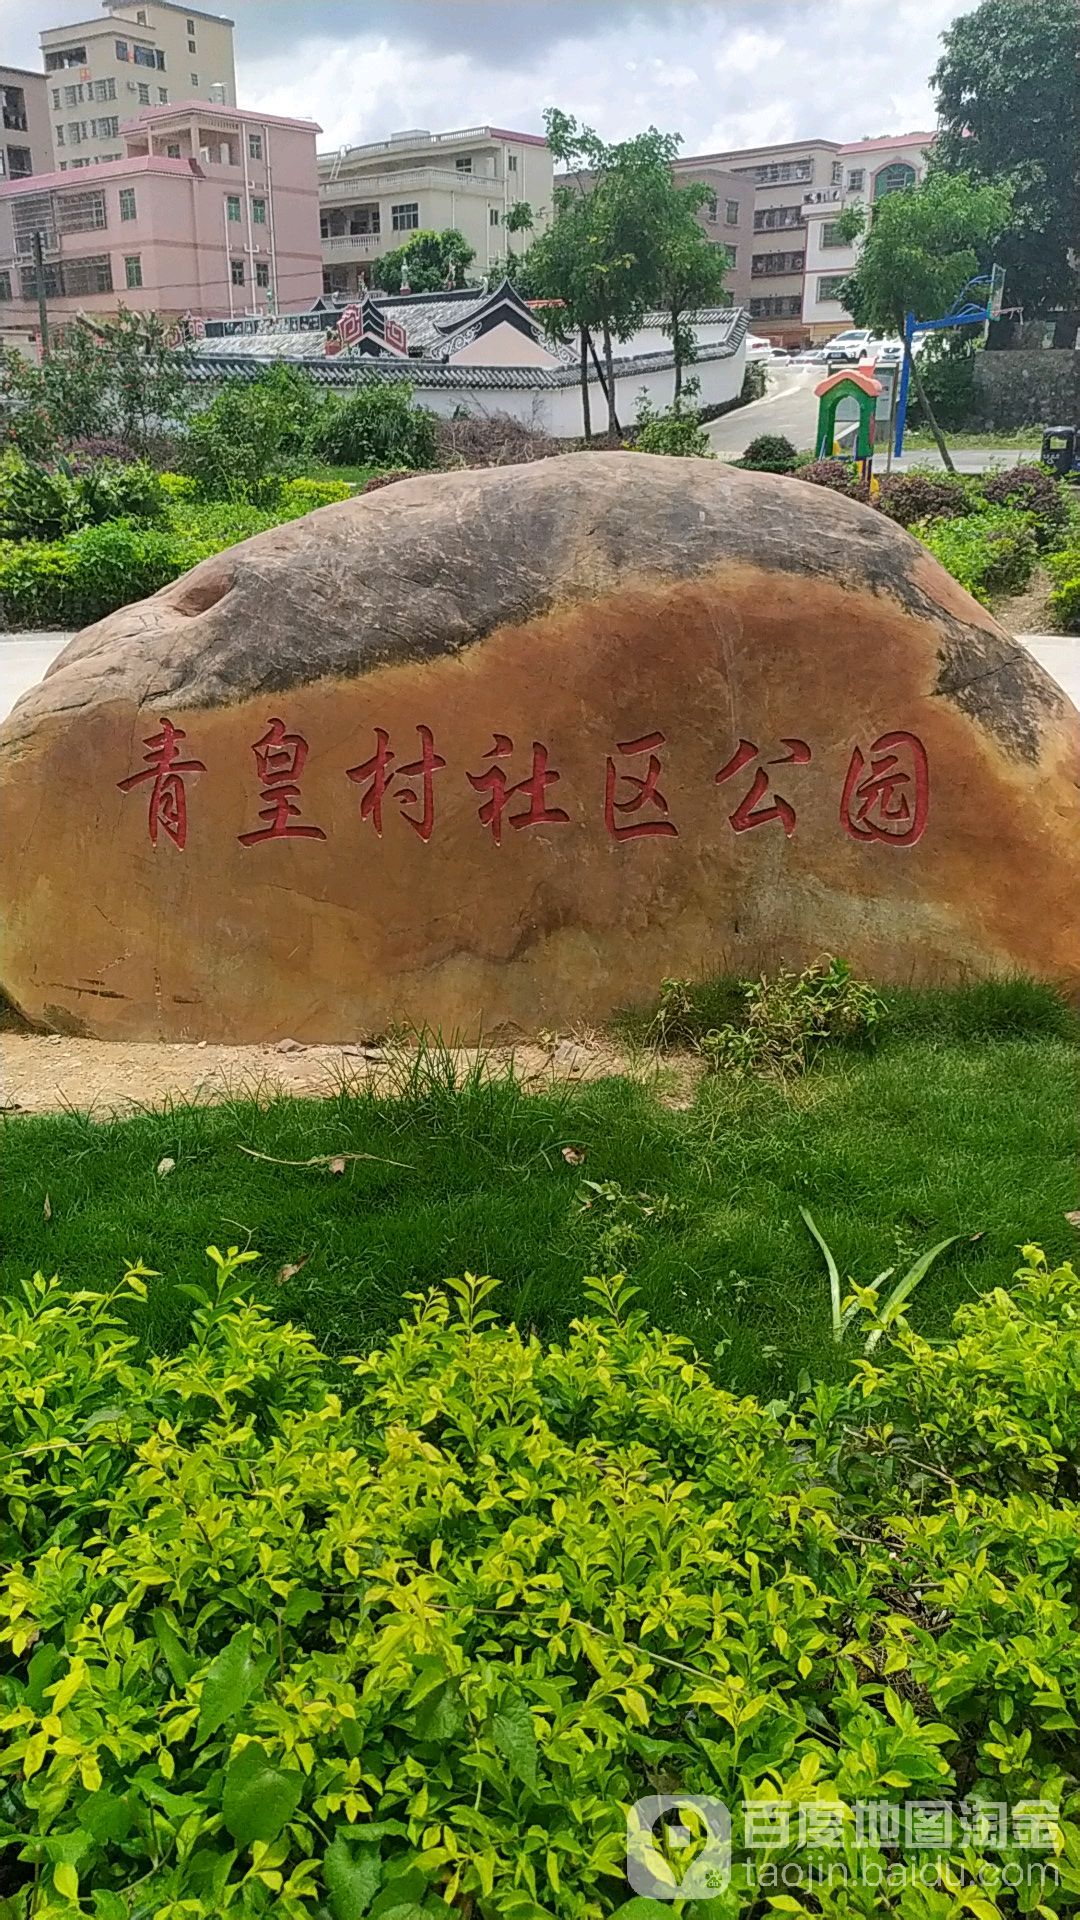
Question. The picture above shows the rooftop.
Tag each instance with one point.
(422, 137)
(174, 6)
(889, 140)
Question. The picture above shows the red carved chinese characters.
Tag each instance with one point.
(168, 797)
(644, 792)
(891, 801)
(279, 762)
(376, 772)
(534, 789)
(750, 811)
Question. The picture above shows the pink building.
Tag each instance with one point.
(212, 211)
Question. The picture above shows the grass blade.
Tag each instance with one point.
(834, 1275)
(905, 1287)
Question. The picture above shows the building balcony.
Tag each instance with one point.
(357, 246)
(366, 186)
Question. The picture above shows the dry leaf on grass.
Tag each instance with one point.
(165, 1165)
(573, 1156)
(287, 1273)
(47, 1208)
(1073, 1219)
(337, 1164)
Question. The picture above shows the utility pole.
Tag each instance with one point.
(43, 311)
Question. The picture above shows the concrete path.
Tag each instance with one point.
(23, 660)
(789, 407)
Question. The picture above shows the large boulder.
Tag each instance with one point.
(499, 750)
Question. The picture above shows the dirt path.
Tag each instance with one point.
(48, 1073)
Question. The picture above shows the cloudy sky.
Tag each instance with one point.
(723, 73)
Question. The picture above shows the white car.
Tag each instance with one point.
(757, 348)
(851, 346)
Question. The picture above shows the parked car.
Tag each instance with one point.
(757, 348)
(849, 347)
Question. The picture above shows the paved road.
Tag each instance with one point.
(790, 408)
(24, 658)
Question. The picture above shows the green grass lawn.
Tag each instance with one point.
(356, 476)
(920, 439)
(965, 1121)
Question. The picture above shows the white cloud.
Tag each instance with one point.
(723, 73)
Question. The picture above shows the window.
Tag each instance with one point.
(104, 89)
(837, 172)
(856, 179)
(732, 254)
(829, 285)
(132, 270)
(191, 47)
(731, 213)
(893, 179)
(831, 235)
(106, 129)
(159, 61)
(511, 163)
(236, 268)
(232, 206)
(765, 266)
(5, 286)
(121, 49)
(463, 163)
(80, 212)
(194, 79)
(145, 57)
(59, 135)
(127, 203)
(776, 306)
(262, 273)
(93, 275)
(140, 17)
(55, 97)
(493, 216)
(772, 217)
(76, 132)
(73, 96)
(405, 216)
(163, 96)
(258, 213)
(777, 173)
(20, 163)
(191, 26)
(255, 151)
(172, 151)
(65, 57)
(144, 94)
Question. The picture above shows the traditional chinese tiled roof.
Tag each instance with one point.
(244, 357)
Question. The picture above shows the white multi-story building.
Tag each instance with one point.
(372, 197)
(869, 169)
(99, 73)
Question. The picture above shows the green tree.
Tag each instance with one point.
(920, 250)
(123, 377)
(429, 261)
(519, 219)
(692, 269)
(1008, 97)
(601, 255)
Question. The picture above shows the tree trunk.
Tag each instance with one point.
(929, 411)
(676, 344)
(585, 413)
(614, 428)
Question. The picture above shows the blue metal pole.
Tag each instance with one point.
(905, 381)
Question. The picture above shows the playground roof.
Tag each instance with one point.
(856, 376)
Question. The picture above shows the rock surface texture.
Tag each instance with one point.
(499, 750)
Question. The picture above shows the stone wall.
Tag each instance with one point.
(1028, 388)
